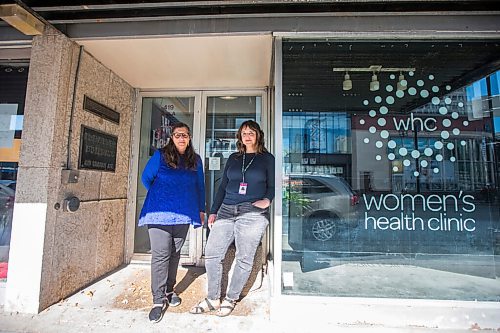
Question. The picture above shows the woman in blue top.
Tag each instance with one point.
(175, 200)
(239, 214)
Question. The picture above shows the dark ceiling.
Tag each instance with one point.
(307, 70)
(62, 11)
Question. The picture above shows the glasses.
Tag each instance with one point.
(180, 135)
(250, 134)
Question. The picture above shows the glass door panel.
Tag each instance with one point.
(224, 115)
(158, 115)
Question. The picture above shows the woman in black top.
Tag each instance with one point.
(239, 213)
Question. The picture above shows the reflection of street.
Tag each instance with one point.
(418, 231)
(387, 277)
(409, 231)
(367, 261)
(376, 240)
(5, 231)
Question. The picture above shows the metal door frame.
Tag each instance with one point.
(195, 256)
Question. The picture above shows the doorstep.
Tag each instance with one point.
(129, 289)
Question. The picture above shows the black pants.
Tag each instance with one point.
(166, 243)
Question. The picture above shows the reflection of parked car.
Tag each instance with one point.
(320, 207)
(7, 194)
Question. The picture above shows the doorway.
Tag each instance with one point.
(214, 118)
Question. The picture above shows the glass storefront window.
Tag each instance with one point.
(13, 82)
(391, 169)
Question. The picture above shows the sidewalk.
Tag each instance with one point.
(121, 302)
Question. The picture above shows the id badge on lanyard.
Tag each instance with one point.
(243, 185)
(243, 188)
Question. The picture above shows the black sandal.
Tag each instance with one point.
(226, 307)
(198, 309)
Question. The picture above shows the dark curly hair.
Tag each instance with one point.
(171, 155)
(251, 124)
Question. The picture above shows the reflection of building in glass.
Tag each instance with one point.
(317, 142)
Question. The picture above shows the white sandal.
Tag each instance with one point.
(226, 307)
(204, 307)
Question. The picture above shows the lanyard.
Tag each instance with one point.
(243, 168)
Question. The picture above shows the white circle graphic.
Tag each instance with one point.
(442, 104)
(466, 123)
(463, 143)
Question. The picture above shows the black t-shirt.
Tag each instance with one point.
(259, 177)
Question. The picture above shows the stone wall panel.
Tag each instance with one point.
(110, 236)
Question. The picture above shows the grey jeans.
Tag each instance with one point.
(244, 224)
(166, 243)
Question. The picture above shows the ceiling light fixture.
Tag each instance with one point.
(402, 83)
(228, 98)
(375, 69)
(374, 84)
(347, 84)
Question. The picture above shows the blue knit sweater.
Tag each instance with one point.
(175, 196)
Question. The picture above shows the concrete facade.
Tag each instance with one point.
(54, 252)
